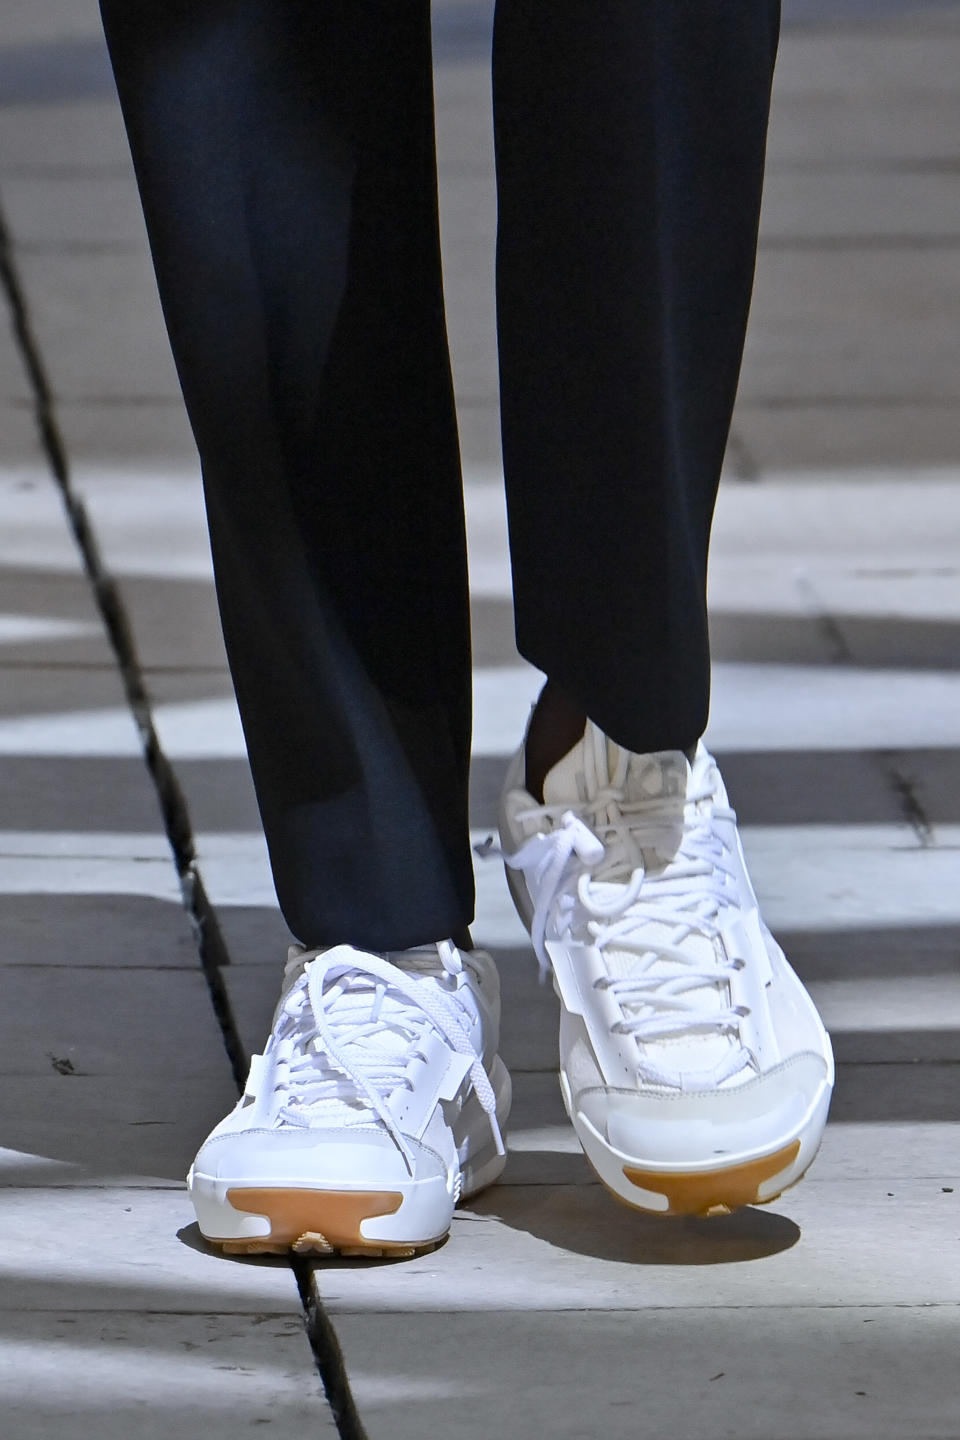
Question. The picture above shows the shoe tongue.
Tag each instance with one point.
(662, 775)
(596, 762)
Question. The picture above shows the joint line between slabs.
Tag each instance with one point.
(327, 1355)
(211, 947)
(208, 936)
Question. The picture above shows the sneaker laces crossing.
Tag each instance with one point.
(600, 844)
(352, 1022)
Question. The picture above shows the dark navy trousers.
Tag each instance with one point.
(286, 160)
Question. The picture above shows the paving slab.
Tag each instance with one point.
(97, 321)
(908, 56)
(47, 611)
(65, 213)
(54, 845)
(144, 434)
(126, 1250)
(871, 1241)
(886, 1093)
(821, 129)
(83, 1130)
(176, 624)
(235, 869)
(854, 206)
(782, 707)
(255, 935)
(881, 521)
(127, 931)
(818, 438)
(934, 778)
(468, 221)
(852, 325)
(54, 704)
(811, 1376)
(55, 21)
(14, 386)
(84, 137)
(916, 639)
(37, 876)
(872, 949)
(105, 1022)
(114, 1375)
(151, 528)
(77, 793)
(917, 594)
(463, 98)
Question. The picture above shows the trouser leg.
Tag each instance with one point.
(285, 154)
(630, 147)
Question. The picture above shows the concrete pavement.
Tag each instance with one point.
(136, 973)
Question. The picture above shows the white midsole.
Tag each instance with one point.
(426, 1209)
(610, 1163)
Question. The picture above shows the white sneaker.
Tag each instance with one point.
(377, 1103)
(693, 1064)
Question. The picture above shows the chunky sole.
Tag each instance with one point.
(316, 1222)
(754, 1179)
(394, 1223)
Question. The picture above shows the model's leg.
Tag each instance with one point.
(630, 146)
(285, 154)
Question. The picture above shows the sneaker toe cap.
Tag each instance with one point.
(662, 1127)
(316, 1157)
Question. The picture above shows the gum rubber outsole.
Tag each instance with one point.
(319, 1222)
(717, 1192)
(706, 1192)
(312, 1243)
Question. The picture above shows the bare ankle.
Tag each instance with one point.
(557, 723)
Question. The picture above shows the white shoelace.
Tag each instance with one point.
(601, 842)
(349, 1029)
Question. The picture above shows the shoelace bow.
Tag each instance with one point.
(335, 1018)
(687, 894)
